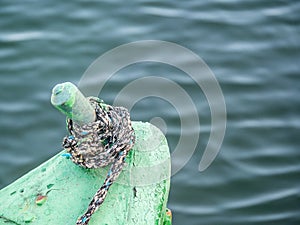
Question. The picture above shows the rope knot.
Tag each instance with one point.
(100, 143)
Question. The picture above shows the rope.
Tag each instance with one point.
(105, 141)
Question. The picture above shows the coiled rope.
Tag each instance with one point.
(97, 144)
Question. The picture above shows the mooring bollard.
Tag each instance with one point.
(70, 101)
(59, 191)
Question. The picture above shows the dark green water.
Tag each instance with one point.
(253, 48)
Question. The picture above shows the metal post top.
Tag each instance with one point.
(68, 99)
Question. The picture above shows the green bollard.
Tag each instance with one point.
(58, 191)
(70, 101)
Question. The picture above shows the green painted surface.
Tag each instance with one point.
(58, 191)
(168, 217)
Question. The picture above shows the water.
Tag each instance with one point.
(251, 46)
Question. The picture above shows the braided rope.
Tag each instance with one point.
(105, 141)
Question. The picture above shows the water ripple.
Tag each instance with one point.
(251, 46)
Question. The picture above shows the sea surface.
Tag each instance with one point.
(251, 47)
